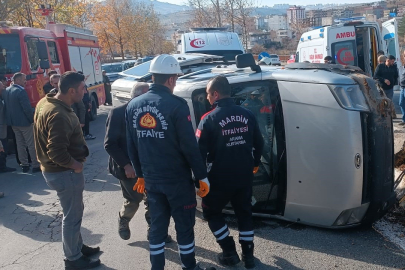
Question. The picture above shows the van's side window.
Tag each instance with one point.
(53, 52)
(260, 99)
(33, 56)
(344, 53)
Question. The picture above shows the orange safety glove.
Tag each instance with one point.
(255, 169)
(204, 188)
(140, 185)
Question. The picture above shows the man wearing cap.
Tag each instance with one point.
(164, 152)
(387, 76)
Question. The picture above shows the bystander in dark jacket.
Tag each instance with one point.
(3, 135)
(107, 88)
(387, 75)
(20, 116)
(48, 86)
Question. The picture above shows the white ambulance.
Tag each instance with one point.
(214, 41)
(353, 41)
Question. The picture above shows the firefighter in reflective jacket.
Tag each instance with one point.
(231, 143)
(162, 148)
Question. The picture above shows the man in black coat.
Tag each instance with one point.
(387, 76)
(49, 85)
(119, 164)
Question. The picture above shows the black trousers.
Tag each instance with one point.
(214, 203)
(86, 128)
(108, 97)
(3, 160)
(177, 201)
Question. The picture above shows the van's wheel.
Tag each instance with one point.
(93, 111)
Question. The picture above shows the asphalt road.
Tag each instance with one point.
(30, 232)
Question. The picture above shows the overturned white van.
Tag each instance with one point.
(328, 154)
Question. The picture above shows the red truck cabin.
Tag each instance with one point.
(67, 48)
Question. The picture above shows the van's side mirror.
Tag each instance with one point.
(44, 64)
(42, 51)
(247, 60)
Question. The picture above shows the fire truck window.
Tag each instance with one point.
(33, 54)
(10, 54)
(53, 52)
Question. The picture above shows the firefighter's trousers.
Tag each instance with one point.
(177, 201)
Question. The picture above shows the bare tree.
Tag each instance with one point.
(203, 14)
(243, 18)
(217, 7)
(229, 13)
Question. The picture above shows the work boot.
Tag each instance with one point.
(3, 167)
(25, 169)
(123, 228)
(82, 263)
(247, 255)
(229, 256)
(90, 251)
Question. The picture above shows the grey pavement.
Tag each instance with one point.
(30, 232)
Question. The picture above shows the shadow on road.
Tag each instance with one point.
(357, 244)
(30, 208)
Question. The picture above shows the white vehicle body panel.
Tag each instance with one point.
(195, 42)
(312, 117)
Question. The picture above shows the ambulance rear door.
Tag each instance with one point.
(342, 45)
(314, 52)
(390, 40)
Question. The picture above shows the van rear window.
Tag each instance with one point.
(344, 53)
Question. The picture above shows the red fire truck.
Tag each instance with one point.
(60, 47)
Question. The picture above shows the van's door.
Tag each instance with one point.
(390, 39)
(342, 45)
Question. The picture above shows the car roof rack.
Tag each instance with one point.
(327, 67)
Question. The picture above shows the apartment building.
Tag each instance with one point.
(277, 22)
(295, 14)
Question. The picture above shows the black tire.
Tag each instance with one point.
(93, 111)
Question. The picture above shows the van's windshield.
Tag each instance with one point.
(138, 71)
(10, 54)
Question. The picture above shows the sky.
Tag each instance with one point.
(290, 2)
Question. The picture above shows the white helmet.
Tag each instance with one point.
(165, 64)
